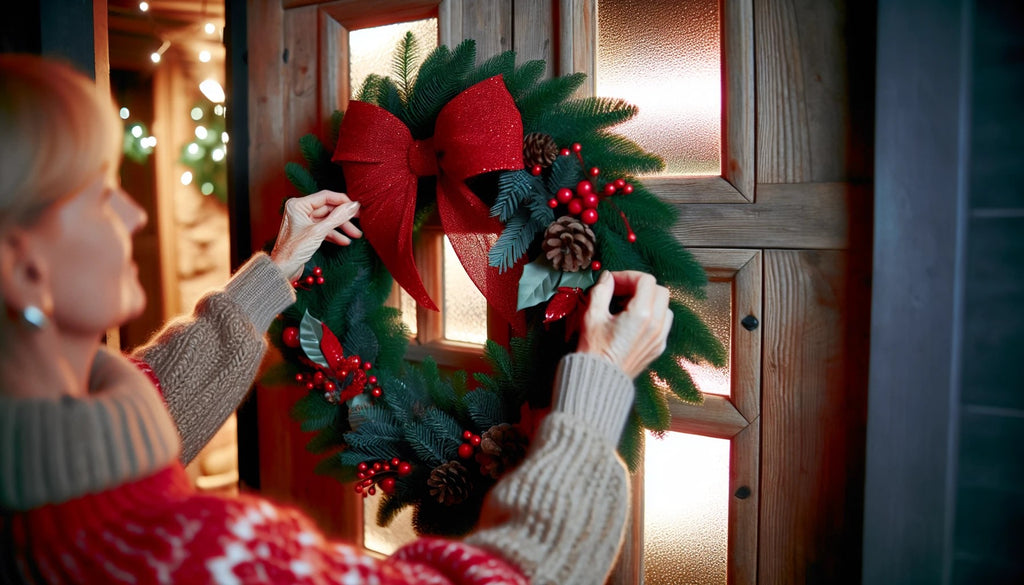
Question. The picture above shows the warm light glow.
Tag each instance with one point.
(144, 6)
(148, 142)
(206, 189)
(666, 60)
(137, 131)
(204, 56)
(193, 148)
(224, 137)
(465, 309)
(212, 90)
(186, 178)
(196, 113)
(154, 57)
(686, 509)
(201, 132)
(124, 113)
(371, 49)
(210, 28)
(716, 311)
(217, 154)
(218, 110)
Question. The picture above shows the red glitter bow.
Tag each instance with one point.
(478, 131)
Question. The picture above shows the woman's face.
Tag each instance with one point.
(88, 242)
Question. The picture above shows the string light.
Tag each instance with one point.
(201, 132)
(186, 178)
(155, 56)
(204, 56)
(212, 90)
(124, 113)
(210, 28)
(217, 154)
(196, 113)
(144, 6)
(137, 131)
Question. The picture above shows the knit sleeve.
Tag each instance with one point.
(560, 516)
(206, 363)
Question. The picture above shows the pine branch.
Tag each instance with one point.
(691, 338)
(545, 95)
(670, 262)
(501, 64)
(485, 408)
(651, 406)
(578, 117)
(390, 100)
(676, 378)
(565, 173)
(440, 79)
(300, 178)
(615, 250)
(513, 187)
(432, 448)
(618, 156)
(334, 466)
(370, 90)
(524, 78)
(336, 117)
(513, 242)
(631, 445)
(403, 64)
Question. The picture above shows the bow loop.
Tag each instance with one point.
(478, 131)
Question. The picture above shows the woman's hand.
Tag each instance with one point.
(635, 337)
(308, 221)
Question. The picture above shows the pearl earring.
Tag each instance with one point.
(34, 316)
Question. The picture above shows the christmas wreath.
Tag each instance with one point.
(537, 197)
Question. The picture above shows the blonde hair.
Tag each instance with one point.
(57, 132)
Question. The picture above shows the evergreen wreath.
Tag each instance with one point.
(572, 207)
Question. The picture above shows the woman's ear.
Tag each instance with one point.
(23, 272)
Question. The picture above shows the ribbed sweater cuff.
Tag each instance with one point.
(595, 390)
(261, 290)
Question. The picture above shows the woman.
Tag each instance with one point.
(92, 488)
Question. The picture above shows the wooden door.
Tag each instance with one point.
(785, 228)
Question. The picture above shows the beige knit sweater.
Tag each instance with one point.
(559, 516)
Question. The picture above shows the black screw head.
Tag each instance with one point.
(743, 492)
(749, 322)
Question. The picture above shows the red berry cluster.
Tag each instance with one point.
(361, 380)
(307, 282)
(584, 200)
(472, 442)
(380, 473)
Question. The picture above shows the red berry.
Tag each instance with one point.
(466, 435)
(610, 189)
(564, 195)
(584, 187)
(359, 488)
(475, 440)
(575, 206)
(589, 216)
(290, 336)
(372, 490)
(300, 377)
(372, 379)
(594, 171)
(310, 280)
(465, 450)
(367, 365)
(371, 472)
(377, 466)
(376, 392)
(627, 189)
(318, 378)
(536, 170)
(552, 203)
(395, 462)
(387, 485)
(318, 271)
(320, 280)
(564, 152)
(310, 386)
(362, 466)
(620, 183)
(590, 200)
(330, 386)
(576, 147)
(595, 266)
(404, 469)
(631, 237)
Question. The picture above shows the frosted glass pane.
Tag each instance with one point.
(385, 540)
(686, 510)
(465, 309)
(716, 311)
(371, 49)
(408, 308)
(665, 58)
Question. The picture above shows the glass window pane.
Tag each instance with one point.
(408, 307)
(665, 58)
(465, 309)
(716, 311)
(686, 509)
(371, 49)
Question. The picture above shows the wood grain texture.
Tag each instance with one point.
(738, 117)
(333, 68)
(449, 22)
(744, 504)
(716, 417)
(356, 14)
(577, 48)
(301, 41)
(629, 567)
(533, 29)
(809, 215)
(812, 419)
(489, 23)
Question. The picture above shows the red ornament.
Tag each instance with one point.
(552, 203)
(536, 170)
(575, 206)
(564, 195)
(590, 200)
(589, 216)
(290, 336)
(465, 450)
(583, 187)
(594, 171)
(595, 266)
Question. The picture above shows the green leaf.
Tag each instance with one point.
(310, 333)
(537, 284)
(582, 279)
(301, 178)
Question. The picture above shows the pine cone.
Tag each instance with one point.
(569, 244)
(539, 149)
(449, 483)
(502, 447)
